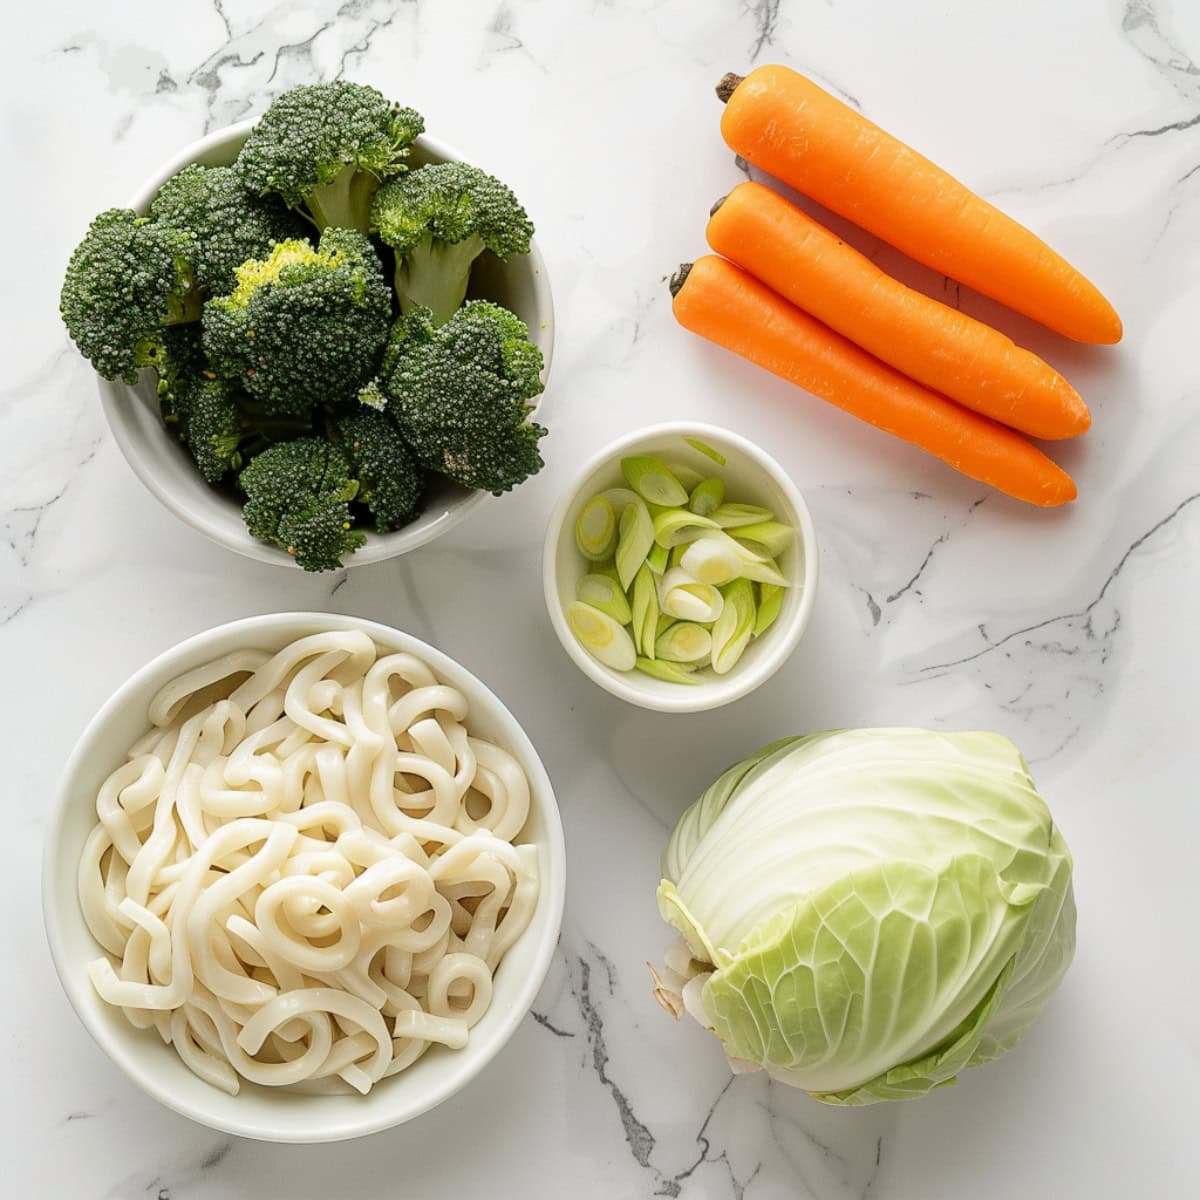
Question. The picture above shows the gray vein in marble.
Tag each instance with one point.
(1143, 31)
(673, 1186)
(876, 608)
(217, 1155)
(831, 1172)
(1174, 127)
(298, 50)
(639, 1139)
(1184, 178)
(1174, 206)
(940, 540)
(875, 1173)
(766, 21)
(788, 1151)
(1084, 614)
(638, 1136)
(207, 76)
(219, 9)
(358, 8)
(826, 1151)
(545, 1022)
(872, 605)
(19, 525)
(501, 32)
(178, 1180)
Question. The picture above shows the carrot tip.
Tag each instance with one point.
(680, 278)
(728, 85)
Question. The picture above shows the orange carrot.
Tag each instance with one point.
(930, 342)
(797, 131)
(722, 303)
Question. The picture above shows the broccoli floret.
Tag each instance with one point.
(200, 408)
(460, 394)
(222, 425)
(178, 366)
(126, 280)
(298, 498)
(229, 222)
(390, 482)
(439, 220)
(211, 426)
(303, 326)
(324, 147)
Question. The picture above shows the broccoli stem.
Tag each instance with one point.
(186, 308)
(435, 275)
(344, 202)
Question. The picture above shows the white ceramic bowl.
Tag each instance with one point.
(269, 1113)
(751, 477)
(165, 467)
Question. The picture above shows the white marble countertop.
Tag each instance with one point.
(1074, 631)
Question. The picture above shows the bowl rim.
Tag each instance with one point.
(116, 394)
(712, 693)
(129, 1058)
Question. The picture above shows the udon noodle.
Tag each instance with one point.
(306, 871)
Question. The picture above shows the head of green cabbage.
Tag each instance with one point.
(866, 913)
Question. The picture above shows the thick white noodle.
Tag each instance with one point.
(305, 872)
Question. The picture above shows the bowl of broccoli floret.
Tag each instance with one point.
(321, 337)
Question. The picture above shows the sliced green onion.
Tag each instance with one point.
(753, 564)
(770, 601)
(671, 672)
(732, 630)
(687, 476)
(772, 536)
(730, 516)
(705, 448)
(596, 529)
(712, 560)
(603, 592)
(684, 642)
(657, 559)
(618, 497)
(688, 599)
(707, 495)
(644, 609)
(677, 525)
(763, 570)
(634, 540)
(652, 479)
(601, 636)
(676, 577)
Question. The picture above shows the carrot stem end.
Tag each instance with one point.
(728, 85)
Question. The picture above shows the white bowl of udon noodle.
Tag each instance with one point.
(305, 877)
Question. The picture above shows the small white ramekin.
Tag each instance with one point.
(164, 466)
(752, 477)
(279, 1114)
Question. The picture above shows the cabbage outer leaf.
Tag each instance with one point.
(882, 908)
